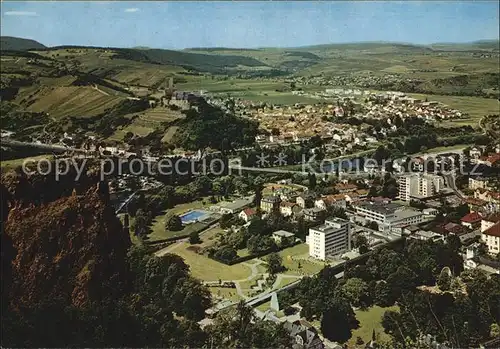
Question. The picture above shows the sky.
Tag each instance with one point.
(183, 24)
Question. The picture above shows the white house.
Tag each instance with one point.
(247, 214)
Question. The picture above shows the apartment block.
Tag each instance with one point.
(329, 239)
(418, 185)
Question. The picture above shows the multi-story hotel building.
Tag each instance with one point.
(329, 239)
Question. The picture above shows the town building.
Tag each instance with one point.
(329, 239)
(417, 185)
(247, 214)
(304, 335)
(305, 200)
(283, 237)
(471, 220)
(288, 209)
(479, 183)
(338, 200)
(489, 221)
(473, 260)
(313, 214)
(388, 215)
(491, 237)
(346, 188)
(226, 207)
(270, 203)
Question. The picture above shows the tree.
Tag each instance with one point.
(373, 225)
(338, 321)
(444, 280)
(194, 238)
(454, 242)
(174, 223)
(312, 181)
(226, 254)
(225, 220)
(238, 328)
(141, 222)
(361, 243)
(356, 292)
(274, 263)
(383, 295)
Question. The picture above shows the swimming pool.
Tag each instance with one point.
(193, 216)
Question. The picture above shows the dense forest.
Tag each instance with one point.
(210, 127)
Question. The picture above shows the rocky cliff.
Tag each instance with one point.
(72, 249)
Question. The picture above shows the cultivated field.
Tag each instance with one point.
(77, 101)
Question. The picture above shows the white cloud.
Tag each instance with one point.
(20, 13)
(130, 10)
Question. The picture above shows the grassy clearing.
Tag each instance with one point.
(226, 293)
(453, 147)
(286, 281)
(209, 236)
(370, 320)
(243, 252)
(169, 134)
(207, 269)
(137, 130)
(12, 164)
(267, 306)
(307, 267)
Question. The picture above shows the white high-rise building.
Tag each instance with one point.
(419, 185)
(330, 239)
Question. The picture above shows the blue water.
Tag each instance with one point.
(192, 216)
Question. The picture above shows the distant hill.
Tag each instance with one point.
(482, 45)
(10, 43)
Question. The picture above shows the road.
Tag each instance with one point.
(52, 147)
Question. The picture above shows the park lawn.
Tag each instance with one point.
(286, 281)
(264, 306)
(209, 236)
(370, 320)
(11, 164)
(292, 265)
(452, 147)
(243, 252)
(207, 269)
(158, 230)
(267, 306)
(226, 293)
(248, 284)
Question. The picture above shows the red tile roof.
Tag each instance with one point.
(471, 217)
(493, 231)
(249, 211)
(476, 202)
(494, 217)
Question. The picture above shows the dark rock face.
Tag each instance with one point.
(72, 249)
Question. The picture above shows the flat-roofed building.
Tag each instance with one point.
(330, 239)
(388, 215)
(417, 185)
